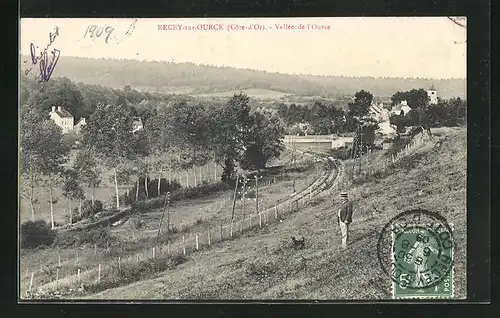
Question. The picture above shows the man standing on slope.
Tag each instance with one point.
(344, 217)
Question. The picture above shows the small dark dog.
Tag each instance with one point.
(298, 243)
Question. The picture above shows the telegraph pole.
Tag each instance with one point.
(256, 194)
(166, 205)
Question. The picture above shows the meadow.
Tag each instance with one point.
(265, 266)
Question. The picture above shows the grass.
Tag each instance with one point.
(265, 266)
(187, 217)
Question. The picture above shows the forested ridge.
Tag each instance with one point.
(192, 78)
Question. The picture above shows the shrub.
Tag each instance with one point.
(397, 145)
(130, 273)
(136, 223)
(99, 236)
(35, 234)
(88, 209)
(342, 153)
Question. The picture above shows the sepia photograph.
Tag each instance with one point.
(242, 159)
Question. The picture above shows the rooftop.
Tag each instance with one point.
(63, 113)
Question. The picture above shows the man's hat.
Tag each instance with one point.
(343, 195)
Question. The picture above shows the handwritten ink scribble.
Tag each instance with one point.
(45, 62)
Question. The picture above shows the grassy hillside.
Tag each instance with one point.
(189, 78)
(264, 266)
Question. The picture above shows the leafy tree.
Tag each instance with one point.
(42, 151)
(265, 141)
(417, 99)
(30, 153)
(398, 123)
(361, 105)
(109, 132)
(228, 132)
(60, 92)
(72, 190)
(398, 97)
(358, 109)
(87, 168)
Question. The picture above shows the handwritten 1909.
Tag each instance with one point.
(46, 67)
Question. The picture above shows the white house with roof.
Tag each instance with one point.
(62, 118)
(402, 106)
(66, 121)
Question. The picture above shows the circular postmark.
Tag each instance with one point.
(415, 249)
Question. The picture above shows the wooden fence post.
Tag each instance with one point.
(31, 280)
(231, 230)
(58, 260)
(197, 246)
(78, 275)
(119, 263)
(183, 246)
(137, 258)
(154, 252)
(260, 219)
(209, 236)
(99, 274)
(57, 278)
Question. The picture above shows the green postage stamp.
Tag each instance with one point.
(422, 256)
(416, 250)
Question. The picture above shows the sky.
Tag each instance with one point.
(424, 47)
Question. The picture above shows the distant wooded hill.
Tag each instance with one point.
(190, 78)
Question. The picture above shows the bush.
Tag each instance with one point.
(397, 145)
(100, 236)
(37, 233)
(342, 153)
(88, 210)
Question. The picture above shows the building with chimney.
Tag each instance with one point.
(62, 118)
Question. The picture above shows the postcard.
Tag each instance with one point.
(251, 159)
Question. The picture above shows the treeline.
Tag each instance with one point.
(204, 78)
(327, 118)
(451, 112)
(177, 135)
(81, 100)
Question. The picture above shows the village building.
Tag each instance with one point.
(137, 125)
(378, 112)
(402, 106)
(78, 126)
(62, 118)
(433, 95)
